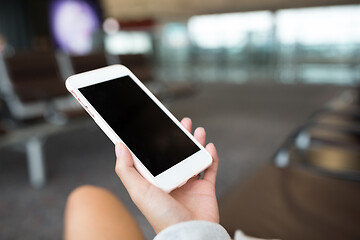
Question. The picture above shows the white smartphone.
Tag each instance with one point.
(164, 152)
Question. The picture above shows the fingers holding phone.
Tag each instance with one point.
(163, 150)
(196, 200)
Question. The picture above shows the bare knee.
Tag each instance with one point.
(82, 196)
(86, 205)
(82, 193)
(84, 190)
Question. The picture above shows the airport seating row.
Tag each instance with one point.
(329, 142)
(34, 103)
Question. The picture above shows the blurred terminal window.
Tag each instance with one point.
(308, 45)
(233, 46)
(319, 45)
(173, 52)
(132, 37)
(128, 42)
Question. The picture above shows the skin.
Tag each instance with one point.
(94, 213)
(196, 200)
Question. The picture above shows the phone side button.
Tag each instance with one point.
(73, 93)
(91, 114)
(86, 108)
(80, 102)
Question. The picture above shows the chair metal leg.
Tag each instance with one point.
(36, 163)
(282, 158)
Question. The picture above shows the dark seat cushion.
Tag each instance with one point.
(35, 76)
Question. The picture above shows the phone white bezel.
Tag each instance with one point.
(171, 178)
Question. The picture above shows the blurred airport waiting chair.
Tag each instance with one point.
(88, 62)
(38, 105)
(140, 64)
(329, 142)
(32, 87)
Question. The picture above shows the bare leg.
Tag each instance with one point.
(95, 213)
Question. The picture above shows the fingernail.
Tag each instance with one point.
(118, 150)
(201, 129)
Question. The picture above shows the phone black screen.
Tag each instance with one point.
(150, 134)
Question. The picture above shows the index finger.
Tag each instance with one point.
(187, 123)
(210, 173)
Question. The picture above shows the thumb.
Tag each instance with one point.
(158, 207)
(134, 183)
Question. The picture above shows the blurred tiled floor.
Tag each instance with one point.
(246, 122)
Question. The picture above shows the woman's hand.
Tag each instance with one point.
(196, 200)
